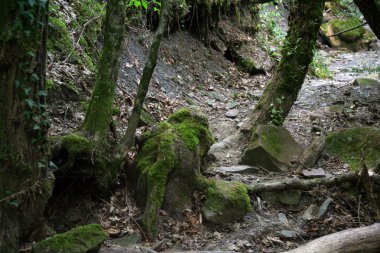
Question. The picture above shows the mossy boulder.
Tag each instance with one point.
(353, 144)
(169, 163)
(356, 39)
(272, 148)
(366, 82)
(226, 202)
(86, 239)
(340, 25)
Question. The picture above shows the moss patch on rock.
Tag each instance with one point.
(340, 25)
(352, 143)
(86, 239)
(167, 150)
(226, 202)
(271, 148)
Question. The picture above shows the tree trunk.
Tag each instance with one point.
(24, 184)
(297, 53)
(99, 112)
(354, 240)
(371, 12)
(147, 75)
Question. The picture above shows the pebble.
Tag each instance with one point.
(232, 113)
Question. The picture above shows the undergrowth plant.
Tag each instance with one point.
(319, 66)
(271, 35)
(277, 112)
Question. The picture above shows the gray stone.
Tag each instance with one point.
(309, 214)
(287, 197)
(365, 82)
(283, 219)
(127, 240)
(232, 105)
(232, 113)
(314, 173)
(271, 148)
(324, 208)
(289, 234)
(242, 169)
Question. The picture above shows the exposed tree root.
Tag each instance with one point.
(354, 240)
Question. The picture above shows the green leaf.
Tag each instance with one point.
(27, 91)
(14, 203)
(31, 2)
(144, 4)
(137, 4)
(42, 93)
(29, 102)
(36, 127)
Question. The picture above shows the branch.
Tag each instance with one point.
(301, 184)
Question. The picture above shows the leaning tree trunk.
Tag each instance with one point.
(24, 184)
(99, 113)
(304, 21)
(371, 11)
(147, 75)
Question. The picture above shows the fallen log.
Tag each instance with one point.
(354, 240)
(301, 184)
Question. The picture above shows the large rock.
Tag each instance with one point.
(169, 163)
(86, 239)
(356, 39)
(272, 148)
(226, 202)
(351, 144)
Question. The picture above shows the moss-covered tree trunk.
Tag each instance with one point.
(24, 184)
(371, 12)
(99, 112)
(297, 53)
(147, 75)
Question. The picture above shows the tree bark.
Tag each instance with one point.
(99, 112)
(371, 12)
(354, 240)
(24, 183)
(304, 21)
(150, 65)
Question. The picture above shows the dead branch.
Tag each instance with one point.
(302, 184)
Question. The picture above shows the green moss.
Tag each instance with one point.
(272, 140)
(158, 157)
(248, 65)
(190, 114)
(115, 111)
(59, 37)
(76, 144)
(78, 240)
(351, 144)
(156, 160)
(340, 25)
(226, 201)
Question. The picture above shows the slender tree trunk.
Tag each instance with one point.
(24, 185)
(150, 65)
(99, 112)
(297, 53)
(371, 12)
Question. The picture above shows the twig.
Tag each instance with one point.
(80, 35)
(133, 219)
